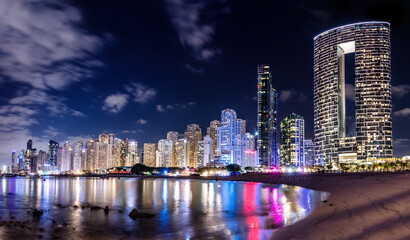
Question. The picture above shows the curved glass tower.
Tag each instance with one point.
(370, 42)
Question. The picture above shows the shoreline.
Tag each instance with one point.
(366, 205)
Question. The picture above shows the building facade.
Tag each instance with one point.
(149, 154)
(193, 134)
(370, 42)
(267, 118)
(292, 138)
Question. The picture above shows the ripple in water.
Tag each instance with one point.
(184, 208)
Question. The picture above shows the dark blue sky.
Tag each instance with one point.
(74, 69)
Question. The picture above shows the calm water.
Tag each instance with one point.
(184, 208)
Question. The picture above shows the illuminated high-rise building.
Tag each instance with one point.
(149, 154)
(267, 118)
(230, 138)
(103, 151)
(370, 42)
(292, 137)
(193, 134)
(208, 150)
(309, 152)
(123, 152)
(212, 131)
(200, 154)
(111, 151)
(13, 161)
(249, 158)
(52, 152)
(164, 153)
(132, 157)
(182, 152)
(66, 160)
(91, 155)
(77, 159)
(172, 136)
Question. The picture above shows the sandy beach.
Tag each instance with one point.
(361, 206)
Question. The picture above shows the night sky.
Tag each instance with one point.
(74, 69)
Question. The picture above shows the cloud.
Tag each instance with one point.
(405, 112)
(36, 99)
(291, 94)
(190, 68)
(400, 90)
(141, 121)
(350, 92)
(44, 45)
(160, 108)
(169, 107)
(193, 32)
(140, 92)
(115, 102)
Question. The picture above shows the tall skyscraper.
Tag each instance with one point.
(292, 137)
(92, 148)
(52, 152)
(66, 157)
(208, 150)
(172, 136)
(309, 152)
(149, 155)
(212, 131)
(193, 134)
(200, 154)
(13, 161)
(230, 138)
(182, 152)
(110, 151)
(103, 151)
(132, 157)
(249, 148)
(164, 153)
(77, 160)
(123, 152)
(370, 42)
(267, 118)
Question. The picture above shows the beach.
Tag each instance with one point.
(360, 206)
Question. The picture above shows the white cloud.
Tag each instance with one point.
(400, 90)
(169, 107)
(193, 69)
(43, 45)
(160, 108)
(405, 112)
(140, 92)
(115, 102)
(141, 121)
(193, 31)
(291, 94)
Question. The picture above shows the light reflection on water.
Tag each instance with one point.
(183, 208)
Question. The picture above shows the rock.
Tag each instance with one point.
(324, 201)
(95, 208)
(75, 206)
(106, 209)
(37, 213)
(137, 214)
(331, 204)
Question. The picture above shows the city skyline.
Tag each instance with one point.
(132, 83)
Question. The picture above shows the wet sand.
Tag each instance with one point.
(360, 206)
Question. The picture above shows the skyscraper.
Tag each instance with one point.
(267, 114)
(52, 152)
(370, 42)
(123, 152)
(193, 134)
(172, 136)
(164, 153)
(212, 131)
(149, 155)
(132, 157)
(13, 161)
(181, 152)
(230, 137)
(309, 152)
(249, 149)
(77, 160)
(102, 162)
(66, 157)
(292, 137)
(91, 155)
(208, 150)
